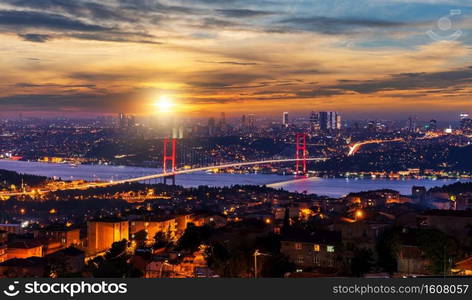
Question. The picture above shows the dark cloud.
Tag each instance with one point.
(48, 85)
(317, 93)
(329, 25)
(227, 80)
(242, 13)
(29, 19)
(77, 8)
(410, 81)
(157, 6)
(35, 37)
(218, 23)
(76, 19)
(121, 37)
(99, 76)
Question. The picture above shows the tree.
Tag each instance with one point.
(286, 224)
(217, 257)
(387, 248)
(140, 237)
(160, 240)
(193, 237)
(114, 264)
(117, 249)
(362, 262)
(440, 250)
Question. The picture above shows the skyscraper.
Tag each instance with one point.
(338, 121)
(285, 119)
(223, 119)
(433, 125)
(466, 122)
(323, 117)
(412, 124)
(121, 120)
(315, 121)
(329, 120)
(251, 120)
(211, 126)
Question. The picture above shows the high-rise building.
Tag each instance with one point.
(285, 119)
(121, 120)
(315, 121)
(211, 126)
(433, 125)
(339, 124)
(243, 121)
(251, 120)
(131, 121)
(466, 122)
(223, 119)
(329, 120)
(412, 124)
(323, 117)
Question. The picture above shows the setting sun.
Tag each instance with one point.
(165, 104)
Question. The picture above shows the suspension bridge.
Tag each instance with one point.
(170, 170)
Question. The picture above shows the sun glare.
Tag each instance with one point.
(165, 104)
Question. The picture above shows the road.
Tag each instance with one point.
(357, 146)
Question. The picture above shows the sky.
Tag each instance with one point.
(363, 58)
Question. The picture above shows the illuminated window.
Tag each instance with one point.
(330, 248)
(316, 248)
(298, 246)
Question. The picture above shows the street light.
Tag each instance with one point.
(256, 254)
(359, 215)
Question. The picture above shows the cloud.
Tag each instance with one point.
(35, 37)
(329, 25)
(29, 19)
(236, 63)
(243, 13)
(410, 81)
(76, 8)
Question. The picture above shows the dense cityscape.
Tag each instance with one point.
(200, 139)
(155, 228)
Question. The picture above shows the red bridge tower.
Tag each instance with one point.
(301, 154)
(169, 158)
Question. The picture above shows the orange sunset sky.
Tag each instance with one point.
(358, 57)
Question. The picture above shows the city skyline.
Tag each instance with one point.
(92, 58)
